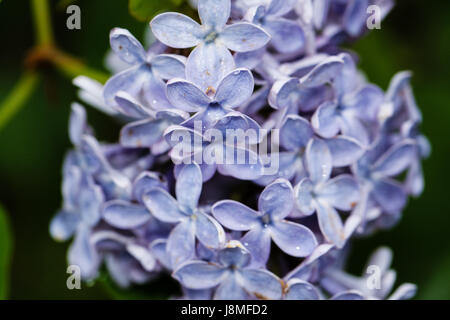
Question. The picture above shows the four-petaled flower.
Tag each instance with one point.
(233, 276)
(275, 204)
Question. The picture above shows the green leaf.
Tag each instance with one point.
(5, 253)
(144, 10)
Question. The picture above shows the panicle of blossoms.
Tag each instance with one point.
(347, 155)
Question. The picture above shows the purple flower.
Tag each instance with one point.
(308, 92)
(232, 91)
(191, 222)
(286, 35)
(211, 60)
(318, 193)
(144, 80)
(275, 204)
(232, 275)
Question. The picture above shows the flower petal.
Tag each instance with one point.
(189, 187)
(126, 46)
(389, 195)
(293, 238)
(396, 159)
(262, 284)
(325, 120)
(244, 37)
(323, 73)
(63, 225)
(125, 215)
(169, 66)
(257, 241)
(230, 289)
(208, 231)
(234, 215)
(287, 35)
(176, 30)
(341, 192)
(355, 17)
(77, 123)
(301, 290)
(214, 12)
(200, 275)
(345, 150)
(181, 243)
(83, 254)
(295, 133)
(130, 107)
(277, 199)
(330, 224)
(348, 295)
(143, 133)
(304, 196)
(163, 206)
(318, 160)
(235, 89)
(241, 163)
(145, 182)
(186, 96)
(130, 81)
(208, 64)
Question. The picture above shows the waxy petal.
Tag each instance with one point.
(199, 275)
(235, 89)
(163, 206)
(125, 215)
(295, 133)
(277, 199)
(181, 243)
(244, 37)
(189, 187)
(208, 64)
(176, 30)
(186, 96)
(234, 215)
(126, 46)
(318, 160)
(261, 283)
(293, 238)
(214, 13)
(208, 231)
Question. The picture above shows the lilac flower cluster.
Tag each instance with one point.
(348, 155)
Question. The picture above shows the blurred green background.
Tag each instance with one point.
(415, 36)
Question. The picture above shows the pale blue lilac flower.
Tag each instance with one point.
(295, 133)
(318, 193)
(286, 35)
(376, 172)
(214, 150)
(147, 128)
(354, 112)
(144, 80)
(232, 275)
(345, 145)
(211, 60)
(232, 91)
(308, 92)
(275, 204)
(190, 221)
